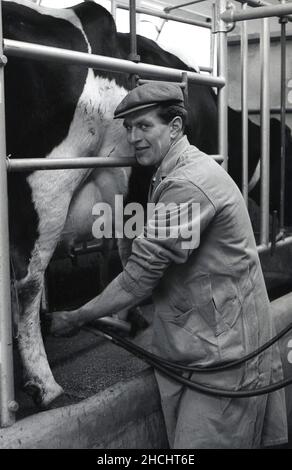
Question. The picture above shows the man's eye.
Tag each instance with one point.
(128, 128)
(144, 127)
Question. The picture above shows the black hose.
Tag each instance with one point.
(201, 369)
(211, 391)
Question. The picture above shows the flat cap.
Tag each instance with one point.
(149, 94)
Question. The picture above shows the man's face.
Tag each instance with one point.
(149, 135)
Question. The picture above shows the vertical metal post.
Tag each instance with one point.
(114, 9)
(244, 108)
(133, 39)
(214, 30)
(283, 22)
(223, 92)
(265, 131)
(213, 45)
(6, 353)
(133, 33)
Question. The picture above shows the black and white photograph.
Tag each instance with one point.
(146, 229)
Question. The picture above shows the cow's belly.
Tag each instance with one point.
(102, 186)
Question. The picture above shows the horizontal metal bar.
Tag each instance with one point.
(259, 3)
(230, 15)
(203, 68)
(252, 3)
(142, 81)
(276, 110)
(83, 250)
(279, 244)
(31, 164)
(181, 5)
(55, 54)
(166, 16)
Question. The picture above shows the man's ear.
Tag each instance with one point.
(176, 126)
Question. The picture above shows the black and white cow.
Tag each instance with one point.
(254, 152)
(56, 111)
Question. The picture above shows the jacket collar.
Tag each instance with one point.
(171, 158)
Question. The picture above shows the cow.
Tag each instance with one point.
(254, 152)
(65, 111)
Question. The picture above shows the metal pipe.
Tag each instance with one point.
(262, 248)
(212, 46)
(230, 15)
(204, 68)
(272, 111)
(166, 16)
(32, 164)
(223, 92)
(181, 5)
(64, 56)
(114, 9)
(214, 41)
(265, 131)
(283, 22)
(259, 3)
(6, 352)
(244, 108)
(133, 40)
(133, 32)
(253, 3)
(143, 82)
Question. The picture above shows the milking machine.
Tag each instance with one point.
(176, 370)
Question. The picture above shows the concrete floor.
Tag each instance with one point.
(84, 365)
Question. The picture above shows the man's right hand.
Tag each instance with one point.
(64, 323)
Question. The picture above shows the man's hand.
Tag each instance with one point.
(64, 323)
(112, 300)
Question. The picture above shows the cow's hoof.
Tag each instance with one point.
(41, 397)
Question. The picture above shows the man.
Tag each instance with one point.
(204, 273)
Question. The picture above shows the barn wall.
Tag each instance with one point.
(254, 74)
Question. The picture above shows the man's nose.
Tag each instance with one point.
(134, 136)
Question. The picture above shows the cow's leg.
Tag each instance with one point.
(51, 204)
(38, 378)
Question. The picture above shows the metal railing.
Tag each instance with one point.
(6, 352)
(35, 51)
(231, 15)
(166, 16)
(264, 11)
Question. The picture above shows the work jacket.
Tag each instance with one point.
(211, 305)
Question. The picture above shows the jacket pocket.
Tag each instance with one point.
(226, 302)
(185, 336)
(194, 299)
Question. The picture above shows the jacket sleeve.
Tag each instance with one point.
(171, 234)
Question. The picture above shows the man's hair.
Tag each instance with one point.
(169, 110)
